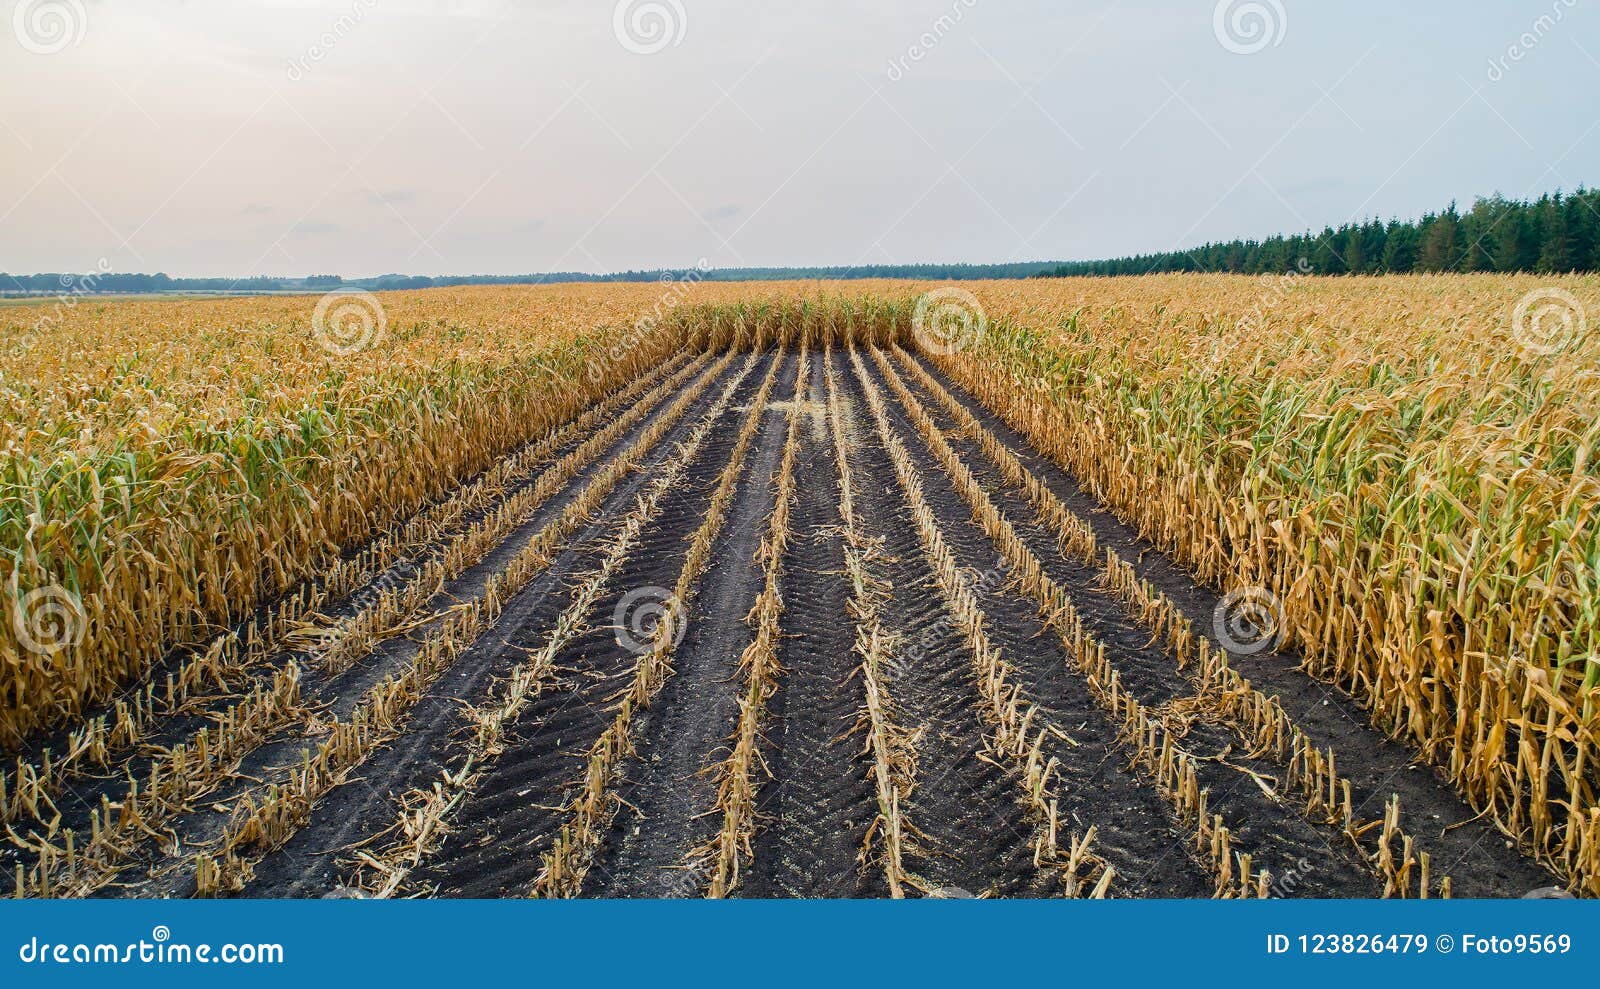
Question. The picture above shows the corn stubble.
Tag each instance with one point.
(891, 744)
(260, 828)
(593, 809)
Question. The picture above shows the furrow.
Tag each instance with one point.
(737, 775)
(894, 766)
(592, 811)
(1006, 707)
(426, 812)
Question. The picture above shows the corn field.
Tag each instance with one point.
(1071, 587)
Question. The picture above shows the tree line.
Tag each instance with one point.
(1554, 233)
(58, 283)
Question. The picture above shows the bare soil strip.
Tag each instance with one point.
(818, 804)
(1134, 828)
(668, 791)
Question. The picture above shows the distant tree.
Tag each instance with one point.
(1400, 248)
(1441, 247)
(1555, 248)
(1327, 257)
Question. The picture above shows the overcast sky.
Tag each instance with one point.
(359, 137)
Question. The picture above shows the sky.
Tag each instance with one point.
(362, 137)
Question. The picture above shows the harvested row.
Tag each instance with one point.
(492, 844)
(894, 754)
(974, 830)
(425, 811)
(667, 795)
(1010, 712)
(816, 802)
(573, 850)
(1258, 721)
(1155, 748)
(737, 774)
(258, 828)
